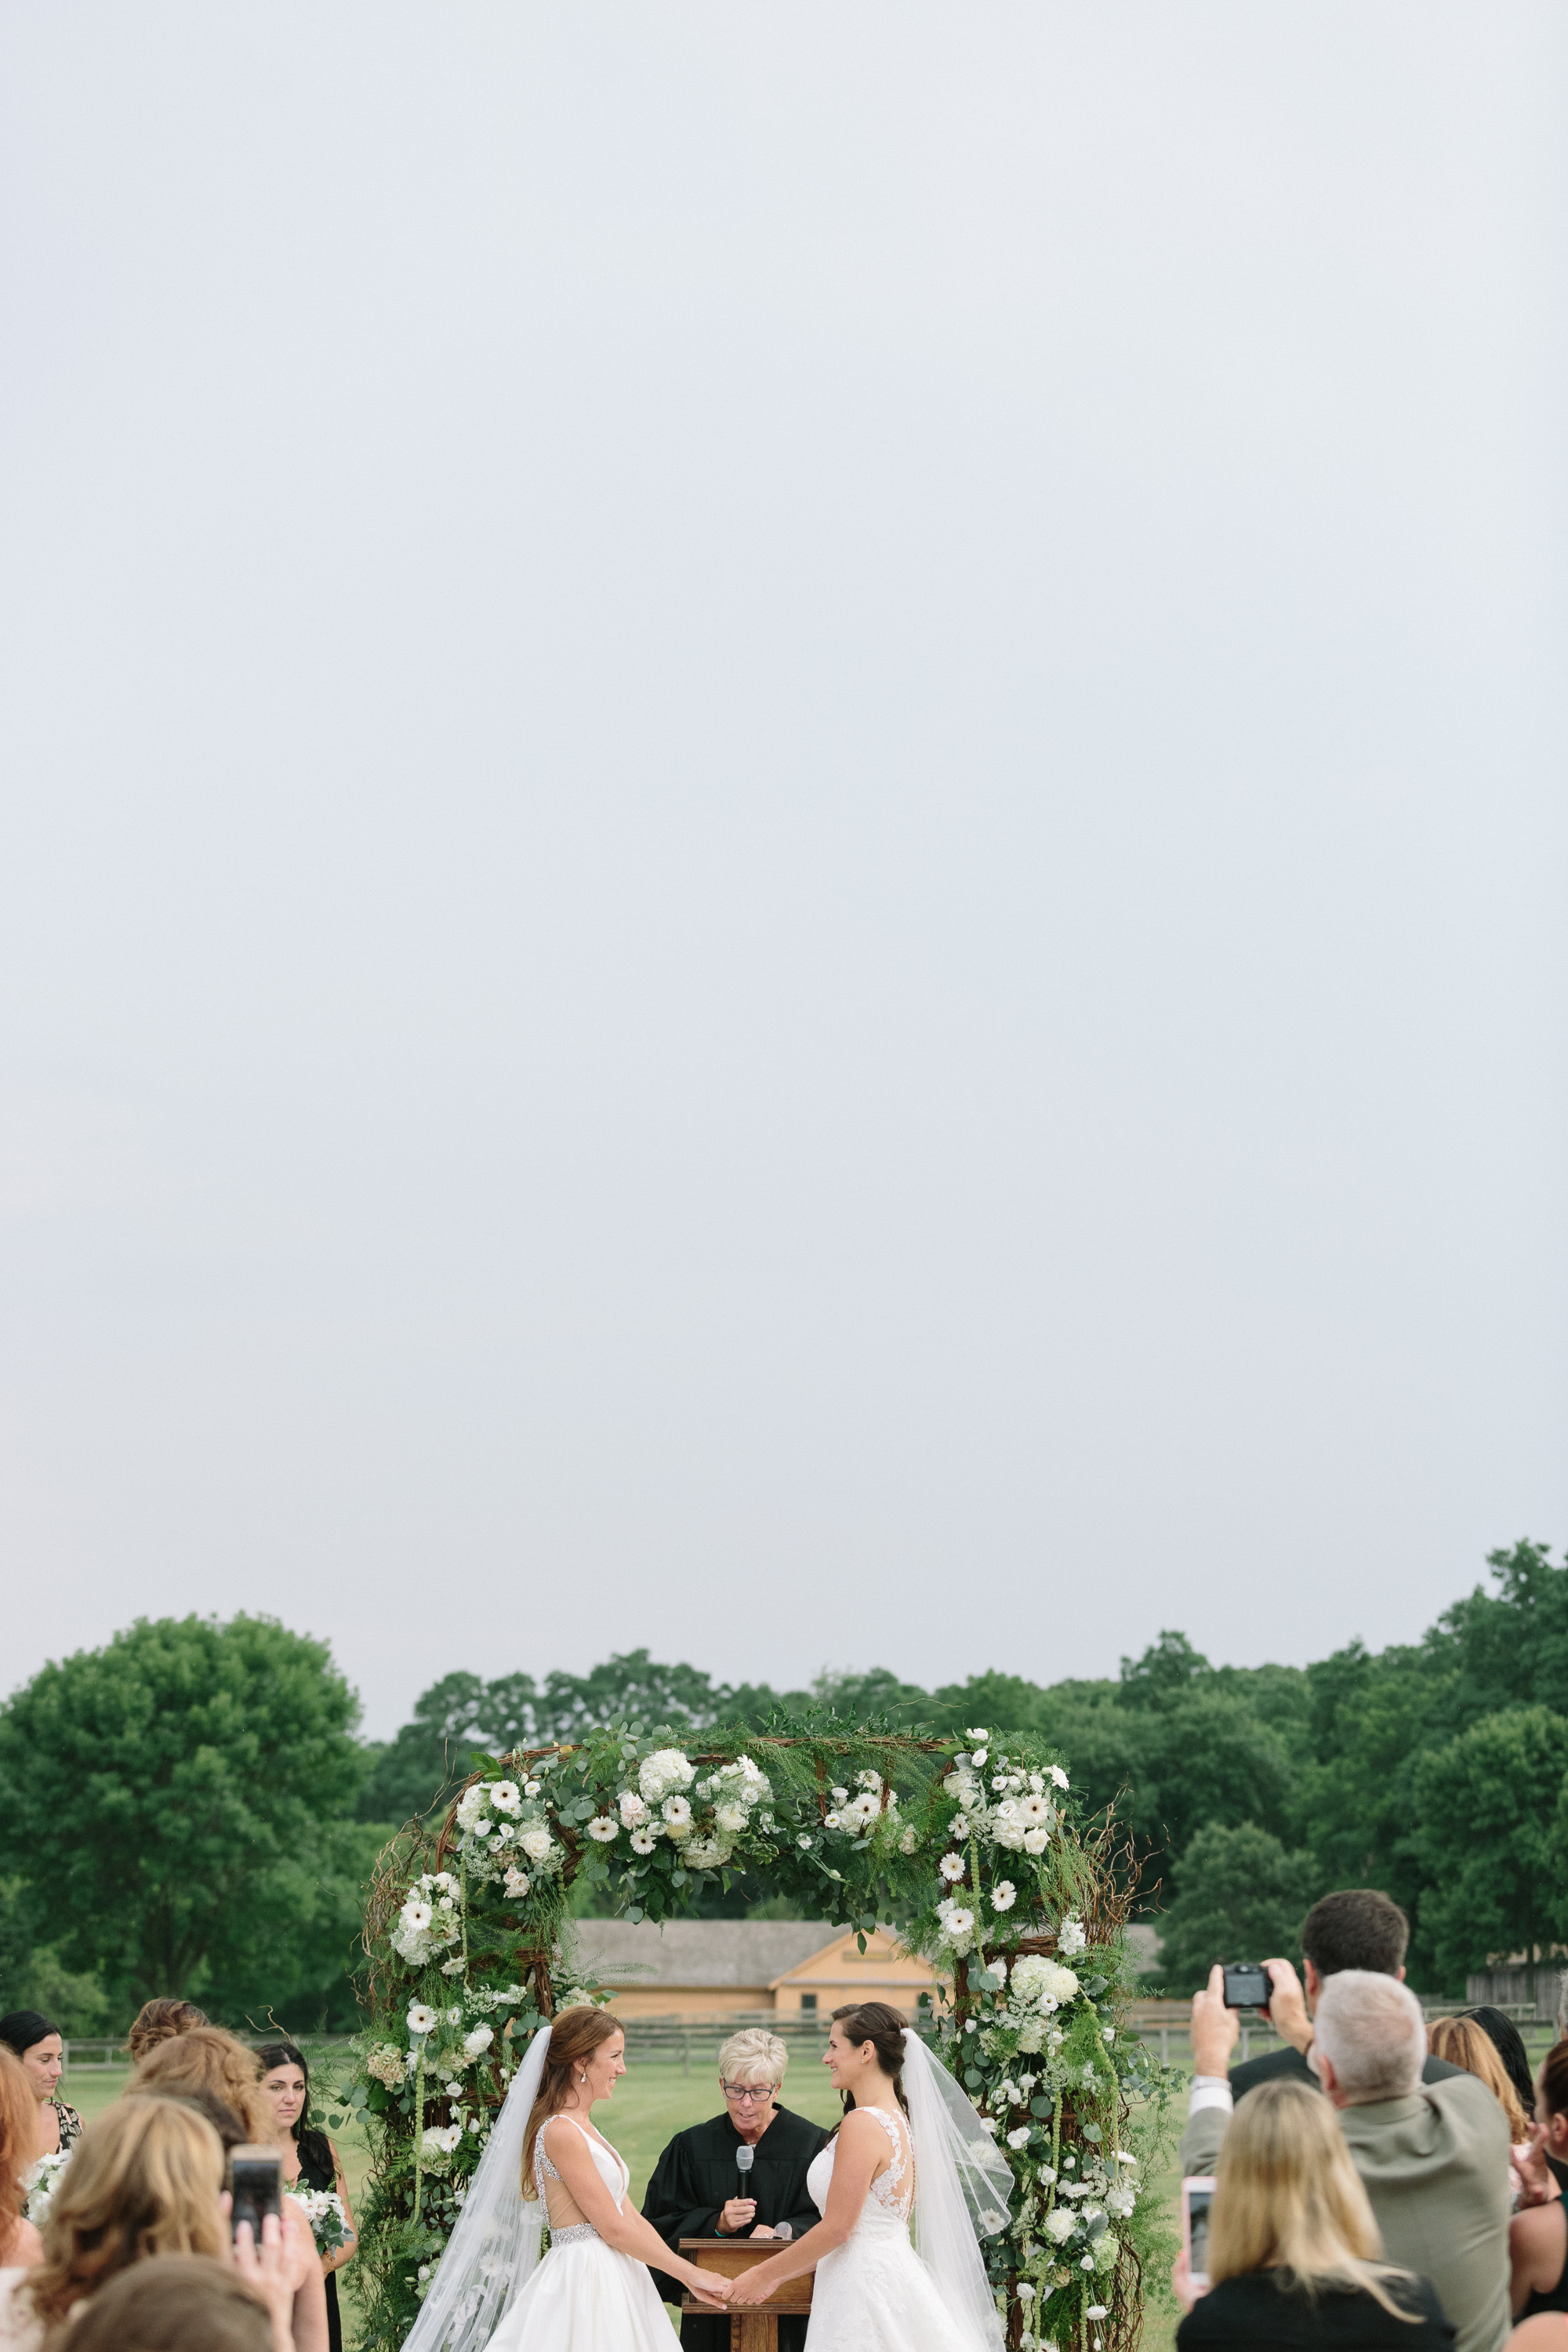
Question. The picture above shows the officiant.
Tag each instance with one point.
(698, 2190)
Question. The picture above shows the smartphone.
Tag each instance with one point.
(255, 2178)
(1198, 2196)
(1247, 1985)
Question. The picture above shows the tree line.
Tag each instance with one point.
(192, 1810)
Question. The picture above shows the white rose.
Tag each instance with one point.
(632, 1810)
(476, 2044)
(1036, 1840)
(980, 1737)
(1019, 2138)
(537, 1843)
(515, 1882)
(730, 1819)
(978, 1758)
(482, 1827)
(1060, 2224)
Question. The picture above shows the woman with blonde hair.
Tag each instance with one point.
(162, 2021)
(1294, 2257)
(1463, 2042)
(208, 2060)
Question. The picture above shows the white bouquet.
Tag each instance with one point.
(329, 2222)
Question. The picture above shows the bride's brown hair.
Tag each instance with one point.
(574, 2036)
(882, 2025)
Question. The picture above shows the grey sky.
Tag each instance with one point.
(785, 853)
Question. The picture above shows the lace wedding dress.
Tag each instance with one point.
(584, 2296)
(873, 2294)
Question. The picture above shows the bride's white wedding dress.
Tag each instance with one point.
(584, 2296)
(873, 2294)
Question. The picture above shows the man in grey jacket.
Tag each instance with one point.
(1433, 2157)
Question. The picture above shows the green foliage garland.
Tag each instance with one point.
(977, 1859)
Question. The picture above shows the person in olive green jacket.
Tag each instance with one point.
(1433, 2157)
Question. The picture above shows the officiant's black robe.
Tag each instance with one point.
(694, 2181)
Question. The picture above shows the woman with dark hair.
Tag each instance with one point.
(310, 2160)
(1538, 2234)
(895, 2158)
(38, 2045)
(1508, 2043)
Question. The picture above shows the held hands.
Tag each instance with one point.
(708, 2285)
(737, 2215)
(752, 2286)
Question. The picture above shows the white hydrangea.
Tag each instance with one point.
(471, 1806)
(705, 1854)
(1070, 1937)
(1121, 2199)
(1039, 1983)
(476, 2044)
(730, 1819)
(664, 1770)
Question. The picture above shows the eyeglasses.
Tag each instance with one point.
(742, 2091)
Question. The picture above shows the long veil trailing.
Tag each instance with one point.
(962, 2183)
(494, 2248)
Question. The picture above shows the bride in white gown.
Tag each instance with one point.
(910, 2143)
(592, 2292)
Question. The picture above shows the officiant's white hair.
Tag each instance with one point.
(753, 2055)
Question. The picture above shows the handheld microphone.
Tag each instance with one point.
(744, 2158)
(783, 2231)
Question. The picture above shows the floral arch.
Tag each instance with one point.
(975, 1852)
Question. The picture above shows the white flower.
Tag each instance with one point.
(1025, 2292)
(1121, 2199)
(506, 1797)
(1060, 2224)
(643, 1842)
(1059, 1777)
(442, 2139)
(989, 2124)
(1043, 1983)
(604, 1827)
(530, 1787)
(664, 1769)
(959, 1923)
(952, 1867)
(538, 1844)
(979, 1737)
(476, 2044)
(677, 1814)
(1097, 2311)
(1003, 1895)
(1047, 2174)
(1019, 2138)
(1035, 1809)
(840, 1795)
(419, 2019)
(515, 1882)
(803, 1839)
(908, 1841)
(1070, 1938)
(632, 1810)
(471, 1805)
(415, 1917)
(959, 1826)
(831, 1821)
(578, 1998)
(1036, 1840)
(1086, 2262)
(482, 1826)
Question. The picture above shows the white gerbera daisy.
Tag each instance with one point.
(419, 2019)
(643, 1842)
(603, 1828)
(951, 1868)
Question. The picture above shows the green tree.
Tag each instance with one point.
(172, 1799)
(1487, 1836)
(1240, 1894)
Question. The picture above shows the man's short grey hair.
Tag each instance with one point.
(753, 2055)
(1370, 2028)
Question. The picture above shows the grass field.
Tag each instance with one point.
(650, 2105)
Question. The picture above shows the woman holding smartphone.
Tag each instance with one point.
(1293, 2254)
(310, 2160)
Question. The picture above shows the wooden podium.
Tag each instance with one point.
(755, 2329)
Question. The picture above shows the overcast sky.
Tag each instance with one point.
(785, 853)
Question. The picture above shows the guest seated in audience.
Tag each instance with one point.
(208, 2059)
(180, 2303)
(1538, 2234)
(1433, 2157)
(1358, 1928)
(1293, 2252)
(37, 2043)
(147, 2178)
(309, 2156)
(161, 2021)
